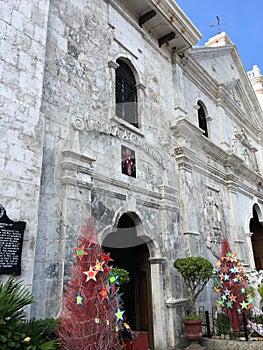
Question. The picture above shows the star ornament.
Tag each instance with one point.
(232, 298)
(80, 252)
(233, 258)
(220, 302)
(98, 267)
(106, 257)
(243, 305)
(79, 298)
(226, 277)
(104, 292)
(227, 292)
(234, 270)
(243, 290)
(119, 314)
(229, 304)
(113, 279)
(91, 274)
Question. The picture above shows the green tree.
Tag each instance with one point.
(196, 272)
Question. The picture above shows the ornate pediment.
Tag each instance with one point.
(236, 93)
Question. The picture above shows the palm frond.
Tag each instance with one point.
(13, 298)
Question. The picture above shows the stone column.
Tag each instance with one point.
(250, 251)
(159, 324)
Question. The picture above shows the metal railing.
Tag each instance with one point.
(220, 325)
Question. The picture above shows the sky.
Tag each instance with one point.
(242, 20)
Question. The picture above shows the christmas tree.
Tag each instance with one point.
(92, 312)
(231, 283)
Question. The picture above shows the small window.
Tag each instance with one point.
(126, 94)
(202, 119)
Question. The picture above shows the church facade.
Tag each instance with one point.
(110, 112)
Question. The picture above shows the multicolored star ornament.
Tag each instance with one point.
(91, 274)
(243, 290)
(232, 298)
(227, 292)
(220, 302)
(226, 277)
(243, 304)
(218, 263)
(119, 314)
(229, 304)
(98, 267)
(79, 298)
(113, 279)
(80, 252)
(234, 269)
(104, 292)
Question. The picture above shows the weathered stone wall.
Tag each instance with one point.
(61, 159)
(23, 27)
(79, 114)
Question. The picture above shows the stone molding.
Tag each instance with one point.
(194, 233)
(157, 260)
(77, 169)
(172, 302)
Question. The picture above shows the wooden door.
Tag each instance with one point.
(143, 304)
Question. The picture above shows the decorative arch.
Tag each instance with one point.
(129, 60)
(132, 250)
(256, 228)
(258, 211)
(153, 248)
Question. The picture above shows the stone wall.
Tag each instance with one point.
(23, 28)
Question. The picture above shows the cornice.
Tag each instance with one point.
(197, 75)
(174, 13)
(234, 172)
(98, 178)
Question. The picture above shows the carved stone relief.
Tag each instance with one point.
(243, 148)
(214, 221)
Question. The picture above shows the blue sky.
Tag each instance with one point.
(242, 20)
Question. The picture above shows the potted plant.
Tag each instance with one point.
(196, 272)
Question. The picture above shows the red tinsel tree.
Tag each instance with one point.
(231, 283)
(91, 310)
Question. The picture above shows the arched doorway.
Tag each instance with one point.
(131, 253)
(256, 228)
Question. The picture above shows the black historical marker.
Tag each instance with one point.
(11, 241)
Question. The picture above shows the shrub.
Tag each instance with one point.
(123, 274)
(222, 324)
(15, 331)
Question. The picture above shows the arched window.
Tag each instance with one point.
(126, 94)
(202, 118)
